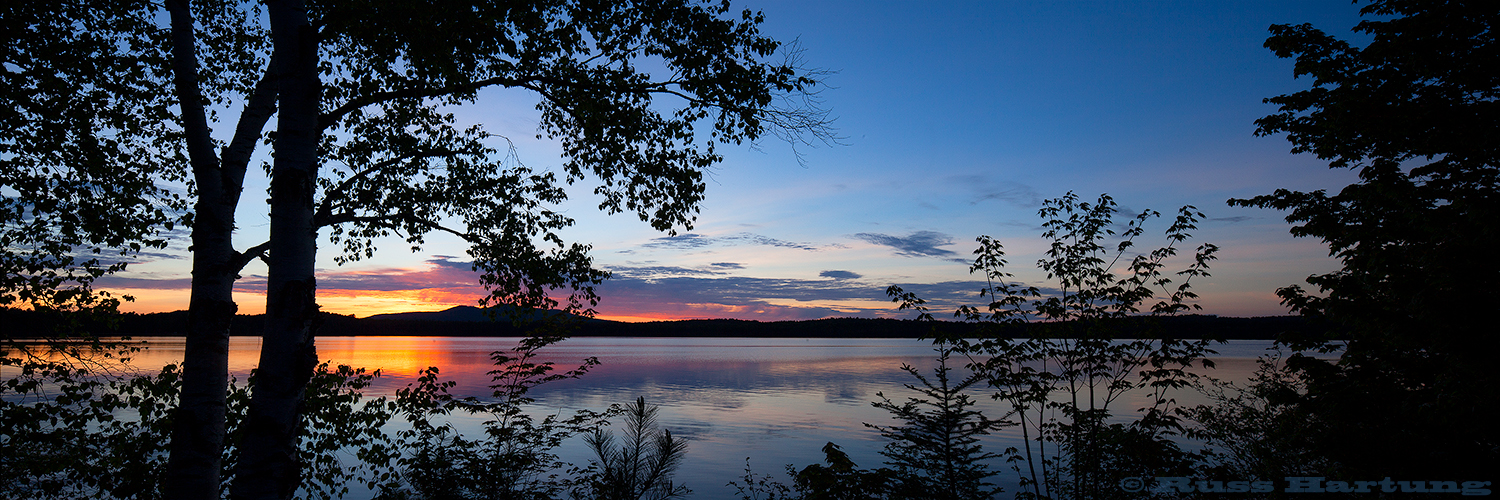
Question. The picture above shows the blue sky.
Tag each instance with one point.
(956, 120)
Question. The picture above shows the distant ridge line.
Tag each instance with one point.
(468, 321)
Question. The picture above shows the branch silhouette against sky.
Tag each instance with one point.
(955, 121)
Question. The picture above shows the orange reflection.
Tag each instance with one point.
(403, 357)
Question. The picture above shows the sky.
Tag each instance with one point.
(955, 120)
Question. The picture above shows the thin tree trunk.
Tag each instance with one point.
(269, 468)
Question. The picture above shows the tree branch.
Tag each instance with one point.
(399, 217)
(330, 118)
(258, 111)
(190, 99)
(325, 209)
(528, 82)
(238, 261)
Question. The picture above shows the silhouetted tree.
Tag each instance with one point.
(640, 464)
(936, 451)
(1258, 429)
(1413, 112)
(1064, 374)
(364, 145)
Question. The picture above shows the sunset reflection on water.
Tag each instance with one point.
(776, 401)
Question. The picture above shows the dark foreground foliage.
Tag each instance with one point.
(1413, 113)
(74, 431)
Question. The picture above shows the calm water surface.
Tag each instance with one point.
(775, 401)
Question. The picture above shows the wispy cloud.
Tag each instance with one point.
(143, 282)
(765, 299)
(770, 299)
(696, 241)
(652, 272)
(680, 241)
(441, 272)
(840, 275)
(984, 189)
(1016, 194)
(918, 244)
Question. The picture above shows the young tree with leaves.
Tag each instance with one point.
(514, 459)
(1060, 360)
(1413, 112)
(639, 465)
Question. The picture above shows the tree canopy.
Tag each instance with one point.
(405, 168)
(116, 107)
(1415, 112)
(365, 142)
(89, 135)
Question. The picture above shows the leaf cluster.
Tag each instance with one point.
(637, 466)
(70, 432)
(88, 140)
(586, 60)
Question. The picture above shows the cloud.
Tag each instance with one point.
(772, 299)
(764, 299)
(740, 289)
(634, 292)
(1231, 220)
(441, 272)
(681, 241)
(918, 244)
(144, 282)
(696, 241)
(1014, 193)
(650, 272)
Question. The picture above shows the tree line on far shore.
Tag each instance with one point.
(172, 324)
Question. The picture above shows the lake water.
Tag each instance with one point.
(775, 401)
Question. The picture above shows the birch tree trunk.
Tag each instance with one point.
(268, 467)
(194, 464)
(196, 454)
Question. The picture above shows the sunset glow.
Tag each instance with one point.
(956, 120)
